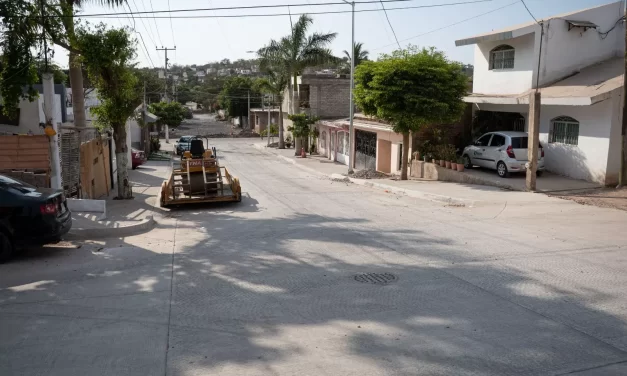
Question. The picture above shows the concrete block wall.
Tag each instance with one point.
(329, 97)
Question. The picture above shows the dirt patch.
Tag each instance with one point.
(369, 174)
(603, 198)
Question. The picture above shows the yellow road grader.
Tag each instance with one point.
(199, 178)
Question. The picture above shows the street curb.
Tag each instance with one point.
(409, 192)
(142, 226)
(388, 188)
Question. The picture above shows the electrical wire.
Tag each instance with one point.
(313, 13)
(172, 29)
(147, 54)
(149, 32)
(389, 23)
(155, 22)
(447, 26)
(279, 6)
(531, 14)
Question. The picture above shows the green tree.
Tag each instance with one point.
(297, 51)
(66, 9)
(274, 83)
(170, 114)
(410, 89)
(108, 55)
(301, 129)
(19, 37)
(234, 96)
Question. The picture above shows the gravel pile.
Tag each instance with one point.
(369, 174)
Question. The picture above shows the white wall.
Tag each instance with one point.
(504, 81)
(592, 159)
(31, 114)
(565, 52)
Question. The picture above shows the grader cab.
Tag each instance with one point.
(199, 178)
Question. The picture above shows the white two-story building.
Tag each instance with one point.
(576, 60)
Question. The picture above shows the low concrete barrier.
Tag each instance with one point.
(88, 206)
(430, 171)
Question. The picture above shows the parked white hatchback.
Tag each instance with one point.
(504, 152)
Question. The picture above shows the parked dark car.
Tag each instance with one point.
(139, 158)
(30, 215)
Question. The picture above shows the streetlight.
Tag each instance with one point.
(351, 140)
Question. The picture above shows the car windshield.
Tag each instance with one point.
(185, 139)
(520, 142)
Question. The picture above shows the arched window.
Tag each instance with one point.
(564, 130)
(502, 57)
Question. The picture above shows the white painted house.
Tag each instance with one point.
(576, 61)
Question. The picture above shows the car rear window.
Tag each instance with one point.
(184, 139)
(520, 142)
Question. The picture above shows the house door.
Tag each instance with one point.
(365, 150)
(332, 150)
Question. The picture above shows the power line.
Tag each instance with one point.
(309, 13)
(172, 29)
(531, 14)
(449, 25)
(389, 23)
(282, 6)
(155, 22)
(149, 32)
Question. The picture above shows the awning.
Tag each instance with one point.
(584, 88)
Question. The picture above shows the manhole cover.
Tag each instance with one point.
(376, 278)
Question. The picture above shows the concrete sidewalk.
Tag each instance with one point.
(437, 191)
(126, 217)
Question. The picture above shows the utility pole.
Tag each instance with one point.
(351, 131)
(622, 174)
(533, 140)
(248, 115)
(167, 99)
(269, 122)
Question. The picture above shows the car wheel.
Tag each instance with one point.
(467, 162)
(501, 170)
(539, 173)
(6, 247)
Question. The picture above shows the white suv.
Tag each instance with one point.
(504, 152)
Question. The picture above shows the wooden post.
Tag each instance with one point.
(534, 139)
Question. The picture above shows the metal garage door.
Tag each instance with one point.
(365, 150)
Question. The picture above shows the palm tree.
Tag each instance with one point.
(297, 51)
(360, 54)
(275, 84)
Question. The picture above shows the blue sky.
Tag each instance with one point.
(203, 40)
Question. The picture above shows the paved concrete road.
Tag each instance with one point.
(267, 287)
(202, 124)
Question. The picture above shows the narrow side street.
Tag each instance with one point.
(278, 284)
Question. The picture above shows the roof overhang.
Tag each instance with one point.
(549, 101)
(495, 36)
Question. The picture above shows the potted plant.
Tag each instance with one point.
(453, 165)
(460, 164)
(288, 141)
(447, 164)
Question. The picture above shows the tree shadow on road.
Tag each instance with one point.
(279, 296)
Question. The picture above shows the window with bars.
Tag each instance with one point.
(502, 57)
(564, 130)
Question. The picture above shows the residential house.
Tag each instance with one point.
(31, 114)
(245, 72)
(327, 96)
(211, 71)
(576, 62)
(224, 72)
(258, 118)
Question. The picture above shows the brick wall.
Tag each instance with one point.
(328, 97)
